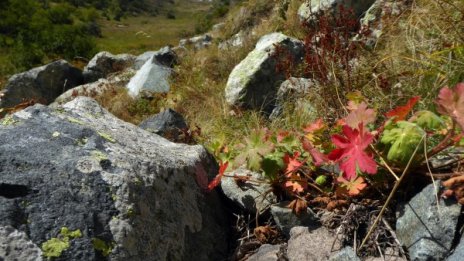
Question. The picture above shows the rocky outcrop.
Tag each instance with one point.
(310, 244)
(254, 82)
(268, 252)
(80, 184)
(345, 254)
(105, 63)
(426, 230)
(167, 123)
(309, 11)
(42, 84)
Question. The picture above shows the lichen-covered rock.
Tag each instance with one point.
(115, 191)
(251, 196)
(427, 232)
(254, 82)
(42, 84)
(309, 10)
(164, 56)
(104, 63)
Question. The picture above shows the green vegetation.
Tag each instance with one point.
(102, 246)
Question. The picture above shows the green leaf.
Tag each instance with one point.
(272, 164)
(255, 148)
(428, 120)
(402, 138)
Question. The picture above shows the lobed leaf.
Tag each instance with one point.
(402, 138)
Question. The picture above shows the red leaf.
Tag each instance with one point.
(282, 135)
(215, 182)
(293, 164)
(451, 102)
(359, 114)
(402, 111)
(350, 152)
(318, 157)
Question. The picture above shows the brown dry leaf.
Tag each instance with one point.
(298, 205)
(455, 187)
(265, 233)
(339, 203)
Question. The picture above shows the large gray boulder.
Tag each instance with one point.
(310, 9)
(42, 84)
(105, 63)
(164, 56)
(294, 90)
(80, 184)
(254, 82)
(153, 76)
(426, 230)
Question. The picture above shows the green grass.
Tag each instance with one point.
(143, 33)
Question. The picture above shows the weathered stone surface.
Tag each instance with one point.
(153, 76)
(15, 245)
(167, 123)
(307, 244)
(425, 231)
(104, 63)
(292, 89)
(164, 56)
(286, 219)
(309, 10)
(237, 40)
(42, 84)
(267, 252)
(248, 195)
(80, 167)
(458, 253)
(345, 254)
(254, 82)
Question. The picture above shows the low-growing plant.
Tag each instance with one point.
(364, 150)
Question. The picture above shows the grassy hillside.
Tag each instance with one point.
(142, 33)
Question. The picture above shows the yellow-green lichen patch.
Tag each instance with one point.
(8, 120)
(102, 246)
(100, 156)
(55, 246)
(106, 137)
(56, 134)
(76, 121)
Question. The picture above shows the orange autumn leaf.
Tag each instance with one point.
(217, 180)
(402, 111)
(352, 187)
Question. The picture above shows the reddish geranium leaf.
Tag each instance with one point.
(215, 182)
(359, 114)
(292, 163)
(350, 152)
(352, 188)
(402, 111)
(282, 135)
(451, 102)
(318, 157)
